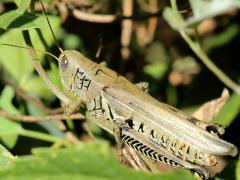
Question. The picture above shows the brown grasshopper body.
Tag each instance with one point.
(151, 128)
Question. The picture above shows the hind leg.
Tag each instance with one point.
(71, 108)
(202, 174)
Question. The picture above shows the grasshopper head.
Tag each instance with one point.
(69, 61)
(73, 66)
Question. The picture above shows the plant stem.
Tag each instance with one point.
(210, 65)
(205, 59)
(174, 5)
(42, 136)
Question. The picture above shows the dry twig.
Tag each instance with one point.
(145, 34)
(96, 18)
(127, 27)
(26, 118)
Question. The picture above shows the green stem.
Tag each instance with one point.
(43, 136)
(205, 59)
(210, 65)
(174, 5)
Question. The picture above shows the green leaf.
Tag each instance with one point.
(85, 161)
(157, 58)
(6, 158)
(198, 7)
(17, 61)
(221, 39)
(39, 88)
(156, 70)
(173, 18)
(72, 41)
(6, 100)
(202, 9)
(9, 140)
(54, 75)
(50, 126)
(229, 111)
(156, 53)
(206, 9)
(9, 130)
(22, 22)
(17, 17)
(7, 18)
(22, 4)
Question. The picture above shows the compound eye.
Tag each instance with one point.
(64, 63)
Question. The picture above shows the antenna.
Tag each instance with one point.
(26, 47)
(55, 39)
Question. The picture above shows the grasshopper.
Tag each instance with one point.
(151, 128)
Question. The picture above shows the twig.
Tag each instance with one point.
(127, 28)
(144, 6)
(72, 138)
(63, 11)
(91, 17)
(145, 34)
(81, 15)
(152, 25)
(96, 18)
(111, 18)
(56, 117)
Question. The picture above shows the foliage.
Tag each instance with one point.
(78, 162)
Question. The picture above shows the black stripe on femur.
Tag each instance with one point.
(154, 155)
(138, 145)
(147, 151)
(129, 140)
(160, 157)
(173, 163)
(201, 173)
(165, 160)
(141, 149)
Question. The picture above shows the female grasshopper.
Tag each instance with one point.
(153, 129)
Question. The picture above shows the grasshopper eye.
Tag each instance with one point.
(64, 63)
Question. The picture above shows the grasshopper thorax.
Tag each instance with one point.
(82, 76)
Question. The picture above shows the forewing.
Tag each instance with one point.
(129, 100)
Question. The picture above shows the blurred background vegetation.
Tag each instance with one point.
(143, 40)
